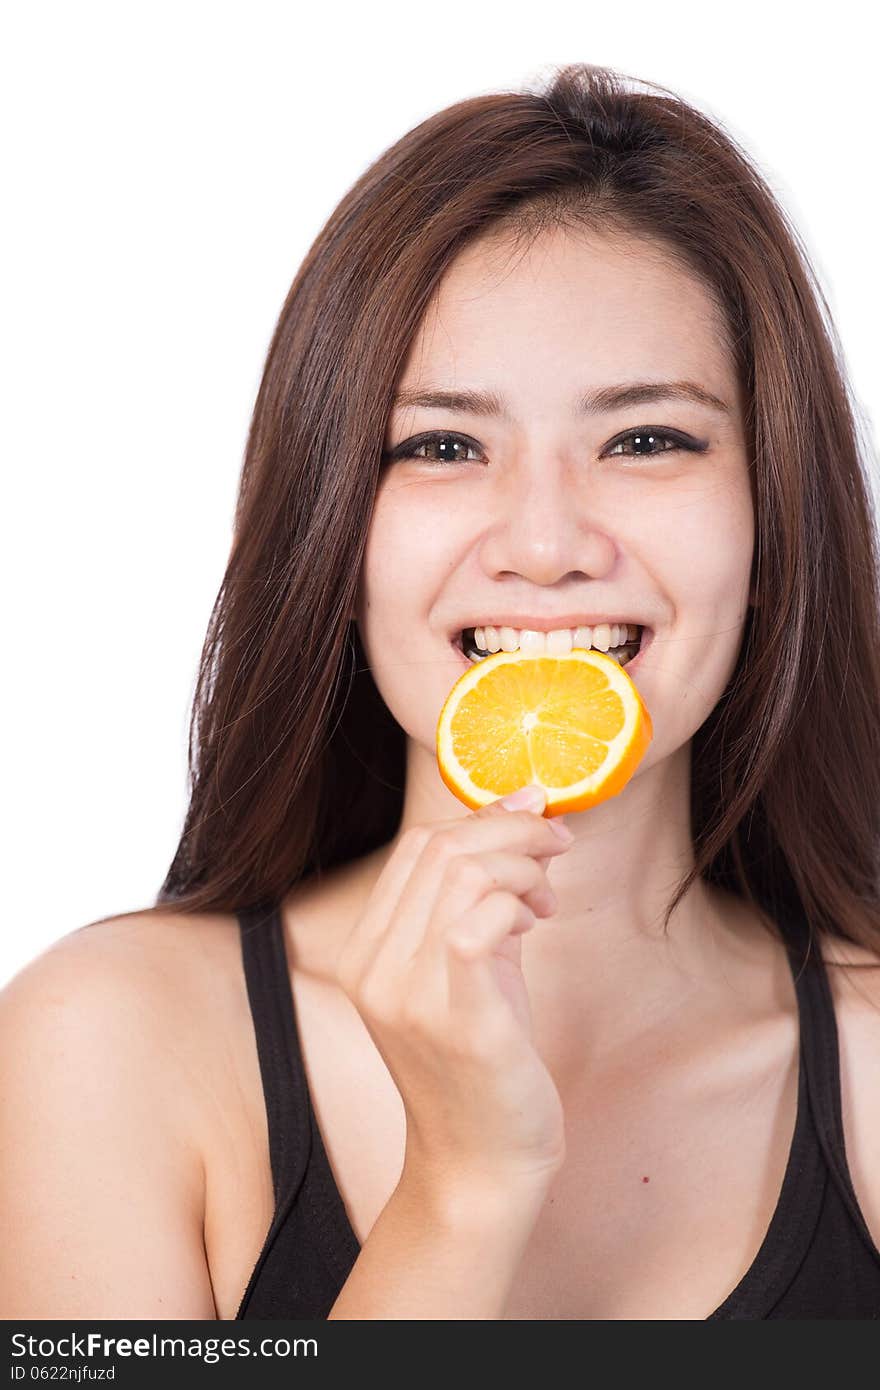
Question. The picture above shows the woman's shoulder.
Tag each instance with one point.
(109, 1100)
(150, 987)
(162, 963)
(853, 973)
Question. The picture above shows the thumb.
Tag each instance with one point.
(532, 797)
(529, 798)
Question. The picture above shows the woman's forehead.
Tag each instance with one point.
(567, 308)
(577, 260)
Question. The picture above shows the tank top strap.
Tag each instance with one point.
(821, 1055)
(278, 1046)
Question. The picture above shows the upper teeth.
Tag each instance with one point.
(603, 636)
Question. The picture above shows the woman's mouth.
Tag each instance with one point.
(623, 642)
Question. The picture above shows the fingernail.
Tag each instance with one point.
(530, 798)
(561, 829)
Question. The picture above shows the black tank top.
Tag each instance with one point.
(818, 1259)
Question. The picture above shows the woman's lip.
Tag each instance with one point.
(647, 639)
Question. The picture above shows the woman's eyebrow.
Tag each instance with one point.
(598, 401)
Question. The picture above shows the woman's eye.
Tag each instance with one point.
(439, 448)
(645, 439)
(446, 447)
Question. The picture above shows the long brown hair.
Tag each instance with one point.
(295, 763)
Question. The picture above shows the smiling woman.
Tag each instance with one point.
(554, 374)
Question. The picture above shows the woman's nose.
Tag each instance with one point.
(539, 525)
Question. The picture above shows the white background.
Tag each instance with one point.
(166, 169)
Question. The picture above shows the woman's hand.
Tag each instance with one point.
(433, 967)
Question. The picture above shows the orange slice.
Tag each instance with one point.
(574, 724)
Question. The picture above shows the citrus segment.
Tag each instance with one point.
(575, 724)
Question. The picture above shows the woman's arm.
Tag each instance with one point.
(101, 1186)
(452, 1257)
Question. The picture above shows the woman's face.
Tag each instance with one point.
(530, 506)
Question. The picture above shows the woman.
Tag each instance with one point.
(556, 360)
